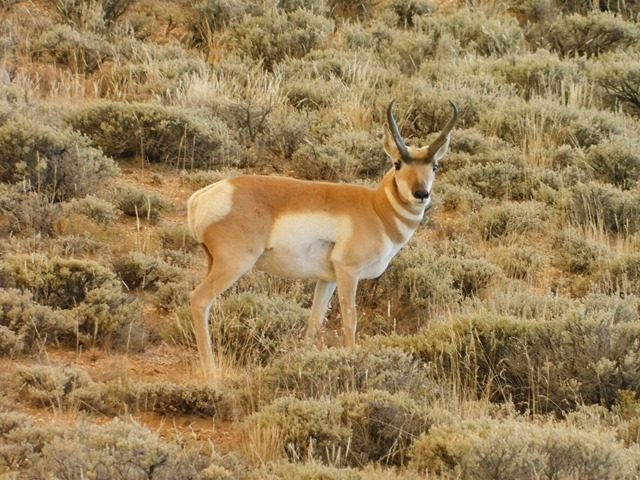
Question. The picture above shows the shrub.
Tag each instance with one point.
(311, 373)
(581, 356)
(589, 35)
(213, 16)
(422, 279)
(537, 73)
(140, 271)
(619, 76)
(616, 160)
(116, 450)
(515, 449)
(140, 203)
(114, 397)
(181, 137)
(624, 273)
(576, 254)
(605, 208)
(185, 399)
(49, 386)
(176, 239)
(60, 164)
(520, 123)
(95, 15)
(383, 425)
(510, 218)
(342, 157)
(84, 290)
(460, 199)
(496, 35)
(82, 53)
(98, 209)
(492, 180)
(253, 328)
(27, 325)
(303, 429)
(521, 262)
(319, 7)
(274, 36)
(471, 276)
(25, 212)
(409, 11)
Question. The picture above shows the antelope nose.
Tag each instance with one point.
(421, 194)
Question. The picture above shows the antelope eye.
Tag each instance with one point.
(435, 167)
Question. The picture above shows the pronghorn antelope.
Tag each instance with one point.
(333, 233)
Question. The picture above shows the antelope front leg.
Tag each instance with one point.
(347, 286)
(321, 298)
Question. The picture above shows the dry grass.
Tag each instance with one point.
(506, 327)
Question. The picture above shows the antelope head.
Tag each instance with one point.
(415, 167)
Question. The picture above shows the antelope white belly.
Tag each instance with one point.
(300, 245)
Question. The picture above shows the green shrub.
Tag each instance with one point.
(274, 36)
(185, 399)
(384, 425)
(311, 373)
(343, 157)
(520, 122)
(93, 15)
(616, 160)
(140, 203)
(584, 356)
(604, 208)
(49, 386)
(589, 35)
(28, 212)
(492, 180)
(176, 240)
(181, 137)
(471, 276)
(60, 164)
(409, 11)
(140, 271)
(458, 199)
(624, 274)
(521, 262)
(23, 444)
(319, 7)
(515, 449)
(305, 429)
(421, 278)
(116, 450)
(495, 35)
(576, 254)
(619, 76)
(88, 293)
(253, 328)
(82, 53)
(213, 16)
(537, 73)
(98, 209)
(27, 325)
(510, 218)
(113, 397)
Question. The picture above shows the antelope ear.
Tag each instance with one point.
(390, 146)
(442, 150)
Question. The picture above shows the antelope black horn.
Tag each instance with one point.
(397, 138)
(439, 142)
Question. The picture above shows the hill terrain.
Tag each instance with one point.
(502, 342)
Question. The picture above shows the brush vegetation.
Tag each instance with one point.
(502, 342)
